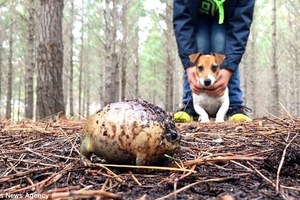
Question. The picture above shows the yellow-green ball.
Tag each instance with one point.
(182, 117)
(240, 118)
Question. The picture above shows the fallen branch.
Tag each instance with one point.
(84, 194)
(270, 181)
(149, 167)
(282, 161)
(196, 183)
(219, 159)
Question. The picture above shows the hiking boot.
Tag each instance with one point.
(238, 114)
(185, 114)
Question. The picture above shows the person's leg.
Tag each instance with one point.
(236, 111)
(186, 89)
(218, 38)
(235, 92)
(203, 30)
(202, 34)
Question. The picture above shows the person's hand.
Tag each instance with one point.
(218, 88)
(192, 78)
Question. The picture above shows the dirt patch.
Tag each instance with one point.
(253, 160)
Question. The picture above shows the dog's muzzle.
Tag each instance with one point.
(207, 82)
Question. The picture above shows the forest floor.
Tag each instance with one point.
(250, 160)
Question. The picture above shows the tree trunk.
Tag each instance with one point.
(293, 54)
(81, 65)
(244, 77)
(274, 71)
(297, 96)
(253, 74)
(101, 88)
(111, 59)
(9, 75)
(30, 62)
(136, 63)
(88, 98)
(290, 102)
(154, 84)
(296, 86)
(1, 66)
(169, 74)
(124, 58)
(71, 61)
(297, 74)
(83, 103)
(115, 57)
(50, 100)
(19, 99)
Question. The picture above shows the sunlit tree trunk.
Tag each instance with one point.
(169, 73)
(136, 62)
(252, 73)
(81, 65)
(115, 57)
(296, 66)
(9, 75)
(101, 87)
(274, 71)
(111, 58)
(50, 98)
(83, 102)
(154, 84)
(124, 50)
(293, 52)
(297, 58)
(297, 96)
(19, 99)
(290, 98)
(1, 76)
(296, 52)
(88, 97)
(294, 17)
(30, 62)
(71, 76)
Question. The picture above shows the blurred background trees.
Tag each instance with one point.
(114, 50)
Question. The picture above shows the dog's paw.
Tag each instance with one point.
(219, 120)
(203, 120)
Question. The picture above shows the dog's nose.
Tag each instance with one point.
(207, 82)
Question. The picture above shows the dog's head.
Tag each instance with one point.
(207, 66)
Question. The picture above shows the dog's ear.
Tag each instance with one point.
(195, 57)
(219, 58)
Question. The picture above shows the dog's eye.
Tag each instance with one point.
(200, 68)
(214, 68)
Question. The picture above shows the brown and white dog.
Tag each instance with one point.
(208, 67)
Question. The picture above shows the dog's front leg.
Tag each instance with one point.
(223, 109)
(221, 113)
(203, 116)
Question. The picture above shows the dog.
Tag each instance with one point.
(208, 67)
